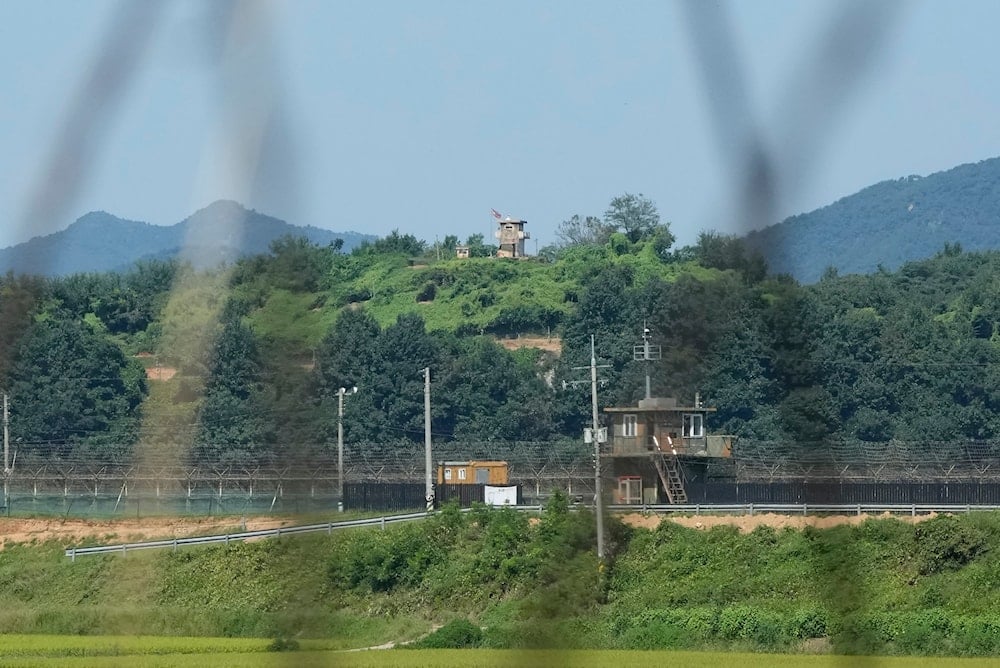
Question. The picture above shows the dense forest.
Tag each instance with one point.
(244, 362)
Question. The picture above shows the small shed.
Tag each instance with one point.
(473, 473)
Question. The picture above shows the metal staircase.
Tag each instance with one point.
(671, 475)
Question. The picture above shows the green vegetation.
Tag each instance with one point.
(261, 349)
(496, 580)
(444, 658)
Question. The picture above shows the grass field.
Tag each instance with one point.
(149, 651)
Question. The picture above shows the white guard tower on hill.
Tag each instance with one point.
(511, 235)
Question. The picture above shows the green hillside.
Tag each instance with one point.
(243, 364)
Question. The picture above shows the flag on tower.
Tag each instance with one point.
(496, 214)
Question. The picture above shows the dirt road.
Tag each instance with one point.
(128, 530)
(131, 530)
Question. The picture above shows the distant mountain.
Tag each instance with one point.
(889, 224)
(99, 241)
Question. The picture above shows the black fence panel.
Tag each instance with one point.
(393, 496)
(831, 492)
(402, 496)
(466, 495)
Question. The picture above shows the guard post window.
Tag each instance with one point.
(629, 425)
(693, 427)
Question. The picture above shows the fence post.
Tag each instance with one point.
(382, 522)
(72, 555)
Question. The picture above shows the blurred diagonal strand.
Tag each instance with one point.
(90, 114)
(764, 172)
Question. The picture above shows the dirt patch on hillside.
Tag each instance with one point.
(747, 523)
(122, 531)
(552, 344)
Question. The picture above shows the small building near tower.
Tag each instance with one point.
(462, 251)
(472, 473)
(511, 235)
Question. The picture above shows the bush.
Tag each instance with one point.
(947, 543)
(456, 634)
(283, 645)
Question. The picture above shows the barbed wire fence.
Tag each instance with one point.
(81, 486)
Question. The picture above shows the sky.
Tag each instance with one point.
(373, 116)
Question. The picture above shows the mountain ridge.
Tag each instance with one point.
(888, 223)
(99, 241)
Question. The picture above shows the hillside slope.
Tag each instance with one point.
(882, 587)
(888, 224)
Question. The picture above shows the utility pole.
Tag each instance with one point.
(429, 480)
(6, 436)
(340, 445)
(598, 496)
(599, 436)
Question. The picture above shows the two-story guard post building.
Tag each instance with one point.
(653, 442)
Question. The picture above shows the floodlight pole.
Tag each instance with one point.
(340, 445)
(6, 451)
(428, 464)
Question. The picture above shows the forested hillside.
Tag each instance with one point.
(245, 363)
(888, 224)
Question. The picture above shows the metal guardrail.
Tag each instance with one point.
(327, 527)
(174, 543)
(804, 508)
(912, 509)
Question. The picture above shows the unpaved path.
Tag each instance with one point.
(125, 530)
(17, 530)
(747, 523)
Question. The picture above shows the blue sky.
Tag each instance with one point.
(422, 116)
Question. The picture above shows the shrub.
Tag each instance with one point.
(947, 543)
(456, 634)
(283, 645)
(427, 293)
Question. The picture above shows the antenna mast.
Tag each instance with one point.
(647, 353)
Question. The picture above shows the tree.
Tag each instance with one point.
(72, 386)
(19, 296)
(583, 230)
(477, 246)
(725, 251)
(298, 264)
(232, 422)
(633, 215)
(395, 243)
